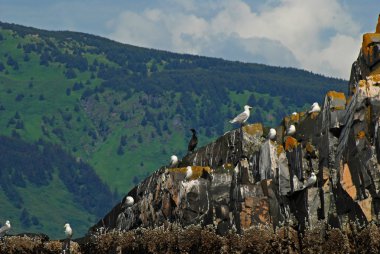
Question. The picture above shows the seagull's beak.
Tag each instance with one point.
(250, 107)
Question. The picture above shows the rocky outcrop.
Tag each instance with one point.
(328, 171)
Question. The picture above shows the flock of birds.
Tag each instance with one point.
(241, 119)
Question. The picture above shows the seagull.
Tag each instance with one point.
(68, 230)
(193, 141)
(4, 229)
(272, 134)
(315, 108)
(189, 172)
(242, 117)
(311, 181)
(291, 130)
(129, 201)
(173, 161)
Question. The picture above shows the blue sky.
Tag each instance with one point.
(322, 36)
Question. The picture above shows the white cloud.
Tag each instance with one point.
(319, 35)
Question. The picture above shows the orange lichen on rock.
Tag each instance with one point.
(197, 171)
(309, 148)
(374, 79)
(360, 135)
(253, 129)
(336, 95)
(314, 115)
(368, 40)
(295, 117)
(290, 143)
(280, 150)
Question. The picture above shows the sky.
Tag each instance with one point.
(322, 36)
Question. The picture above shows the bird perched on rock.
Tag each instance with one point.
(193, 141)
(242, 117)
(173, 161)
(315, 108)
(272, 134)
(291, 130)
(4, 229)
(311, 180)
(129, 201)
(189, 172)
(68, 231)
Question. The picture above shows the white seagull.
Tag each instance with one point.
(4, 229)
(291, 130)
(311, 181)
(242, 117)
(129, 201)
(272, 134)
(173, 161)
(315, 108)
(189, 172)
(68, 230)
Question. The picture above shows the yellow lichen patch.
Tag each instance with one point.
(290, 143)
(336, 95)
(228, 166)
(309, 148)
(368, 40)
(360, 135)
(291, 119)
(362, 83)
(253, 129)
(280, 150)
(376, 78)
(295, 117)
(197, 171)
(314, 115)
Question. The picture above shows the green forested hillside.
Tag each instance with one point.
(120, 110)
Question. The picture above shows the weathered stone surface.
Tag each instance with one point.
(243, 179)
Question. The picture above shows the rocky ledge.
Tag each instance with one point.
(244, 179)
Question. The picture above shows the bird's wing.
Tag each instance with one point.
(3, 229)
(240, 118)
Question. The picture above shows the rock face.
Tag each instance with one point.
(329, 170)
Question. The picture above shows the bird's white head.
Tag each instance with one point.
(314, 104)
(129, 201)
(173, 159)
(272, 134)
(291, 130)
(247, 108)
(67, 225)
(189, 172)
(8, 223)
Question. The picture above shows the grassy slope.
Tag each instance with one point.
(118, 171)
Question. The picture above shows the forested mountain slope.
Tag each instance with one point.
(118, 111)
